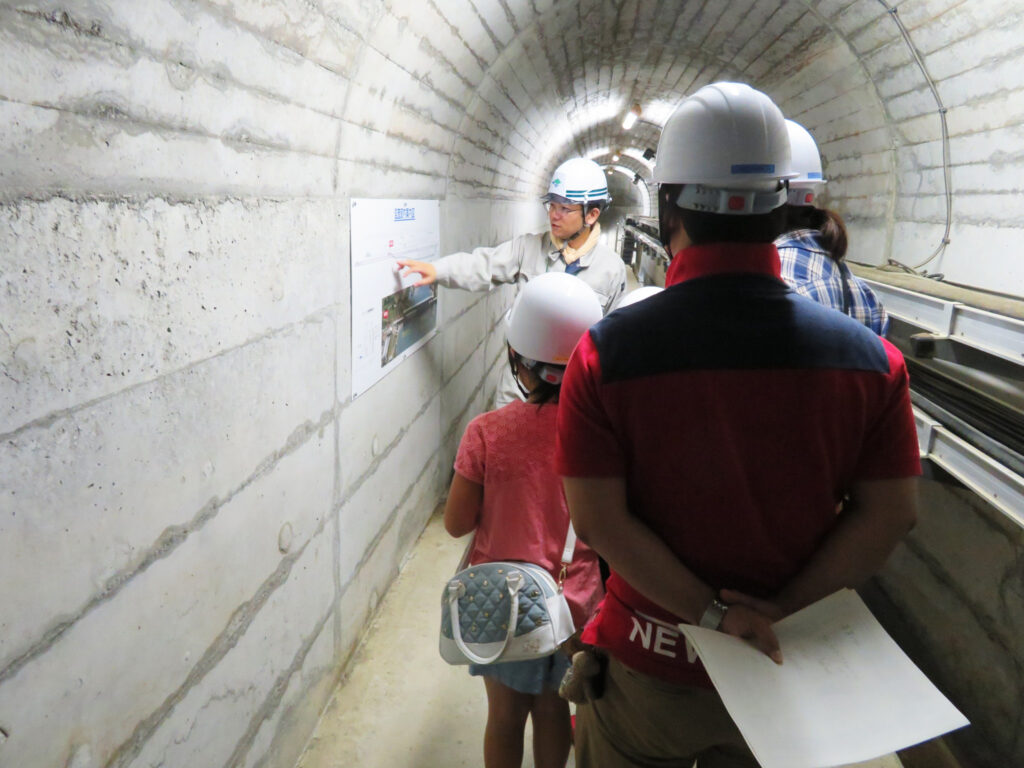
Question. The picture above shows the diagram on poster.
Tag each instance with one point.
(391, 318)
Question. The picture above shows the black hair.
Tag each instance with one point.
(544, 392)
(704, 227)
(829, 225)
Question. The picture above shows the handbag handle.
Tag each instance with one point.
(453, 609)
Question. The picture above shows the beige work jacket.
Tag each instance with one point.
(520, 259)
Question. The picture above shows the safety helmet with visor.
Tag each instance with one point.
(579, 182)
(547, 319)
(805, 187)
(728, 146)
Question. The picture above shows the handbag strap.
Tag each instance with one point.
(567, 553)
(514, 582)
(570, 545)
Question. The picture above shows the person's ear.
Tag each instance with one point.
(592, 216)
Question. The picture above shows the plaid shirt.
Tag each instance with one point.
(811, 272)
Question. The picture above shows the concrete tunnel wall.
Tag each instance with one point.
(196, 517)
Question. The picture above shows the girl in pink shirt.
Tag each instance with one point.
(506, 490)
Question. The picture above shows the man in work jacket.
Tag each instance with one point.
(576, 196)
(706, 436)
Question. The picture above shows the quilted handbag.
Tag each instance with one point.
(505, 611)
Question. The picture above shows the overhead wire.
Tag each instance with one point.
(946, 170)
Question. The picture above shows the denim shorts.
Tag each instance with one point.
(533, 676)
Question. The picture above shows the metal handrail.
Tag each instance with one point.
(652, 243)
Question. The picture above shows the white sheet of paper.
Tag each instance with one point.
(844, 694)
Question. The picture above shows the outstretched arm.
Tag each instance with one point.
(476, 270)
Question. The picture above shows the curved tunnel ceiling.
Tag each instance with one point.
(568, 73)
(578, 67)
(534, 82)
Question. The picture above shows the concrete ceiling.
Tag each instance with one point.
(572, 71)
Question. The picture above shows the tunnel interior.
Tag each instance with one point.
(197, 515)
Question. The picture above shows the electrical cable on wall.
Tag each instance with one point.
(946, 172)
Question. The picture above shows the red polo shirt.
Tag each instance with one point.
(739, 414)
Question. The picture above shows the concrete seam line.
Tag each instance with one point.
(870, 83)
(450, 432)
(43, 422)
(167, 196)
(389, 166)
(448, 379)
(337, 478)
(463, 164)
(473, 89)
(68, 22)
(375, 541)
(276, 694)
(273, 698)
(348, 76)
(237, 625)
(240, 621)
(480, 61)
(374, 465)
(169, 540)
(155, 56)
(465, 309)
(111, 113)
(217, 10)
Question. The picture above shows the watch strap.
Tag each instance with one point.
(713, 615)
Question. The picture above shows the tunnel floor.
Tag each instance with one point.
(399, 704)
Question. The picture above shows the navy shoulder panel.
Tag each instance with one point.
(732, 322)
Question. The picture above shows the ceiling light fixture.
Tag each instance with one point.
(631, 117)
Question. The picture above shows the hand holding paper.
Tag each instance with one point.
(752, 625)
(846, 693)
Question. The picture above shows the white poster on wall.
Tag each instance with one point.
(391, 318)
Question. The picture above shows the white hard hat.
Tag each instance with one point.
(728, 145)
(549, 316)
(641, 293)
(578, 181)
(807, 184)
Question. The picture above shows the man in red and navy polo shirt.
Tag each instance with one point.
(709, 437)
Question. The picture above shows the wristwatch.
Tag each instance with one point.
(713, 615)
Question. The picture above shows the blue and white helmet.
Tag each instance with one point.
(579, 181)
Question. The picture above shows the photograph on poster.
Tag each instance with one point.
(407, 316)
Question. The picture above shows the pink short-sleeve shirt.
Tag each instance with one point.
(511, 452)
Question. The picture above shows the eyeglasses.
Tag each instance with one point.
(562, 210)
